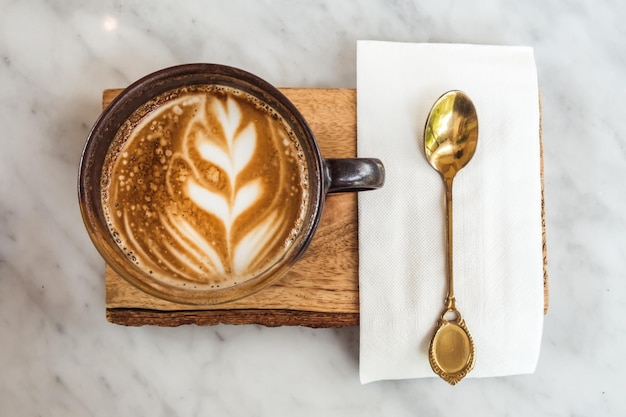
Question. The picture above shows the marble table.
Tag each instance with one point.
(59, 356)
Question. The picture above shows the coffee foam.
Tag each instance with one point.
(205, 187)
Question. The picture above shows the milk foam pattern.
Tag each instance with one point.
(240, 145)
(219, 168)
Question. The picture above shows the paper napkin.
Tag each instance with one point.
(498, 260)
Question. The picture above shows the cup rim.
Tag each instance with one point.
(105, 129)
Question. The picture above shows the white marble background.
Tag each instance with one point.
(58, 355)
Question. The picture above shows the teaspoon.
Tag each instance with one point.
(450, 140)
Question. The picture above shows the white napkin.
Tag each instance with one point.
(498, 259)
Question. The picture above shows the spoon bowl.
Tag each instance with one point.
(451, 133)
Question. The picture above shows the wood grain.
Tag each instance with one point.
(321, 290)
(269, 318)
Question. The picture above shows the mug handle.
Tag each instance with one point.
(353, 174)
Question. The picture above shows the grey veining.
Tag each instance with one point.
(58, 355)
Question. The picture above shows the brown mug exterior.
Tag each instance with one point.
(332, 175)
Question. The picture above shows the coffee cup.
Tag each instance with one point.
(202, 183)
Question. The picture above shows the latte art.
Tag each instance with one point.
(205, 186)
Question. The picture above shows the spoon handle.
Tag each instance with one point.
(450, 300)
(451, 353)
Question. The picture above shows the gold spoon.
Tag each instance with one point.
(450, 140)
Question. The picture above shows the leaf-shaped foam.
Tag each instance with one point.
(183, 258)
(214, 155)
(205, 247)
(209, 201)
(244, 147)
(193, 256)
(229, 117)
(245, 197)
(250, 246)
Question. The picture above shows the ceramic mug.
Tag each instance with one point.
(202, 183)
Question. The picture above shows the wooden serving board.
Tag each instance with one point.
(322, 289)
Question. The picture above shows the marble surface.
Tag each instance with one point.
(58, 355)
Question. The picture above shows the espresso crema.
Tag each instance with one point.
(205, 187)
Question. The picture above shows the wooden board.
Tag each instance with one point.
(321, 290)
